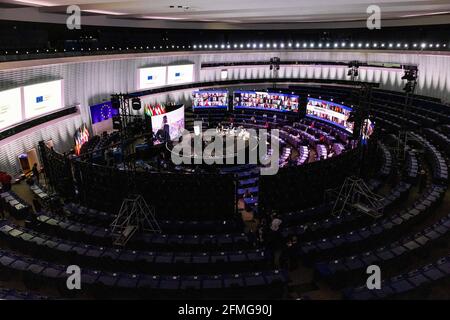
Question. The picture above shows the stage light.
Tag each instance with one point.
(241, 46)
(375, 45)
(423, 45)
(305, 45)
(359, 45)
(327, 45)
(367, 45)
(260, 45)
(235, 46)
(335, 45)
(216, 46)
(415, 45)
(437, 45)
(297, 45)
(281, 45)
(311, 45)
(352, 45)
(274, 45)
(398, 45)
(390, 45)
(382, 45)
(343, 44)
(406, 45)
(320, 45)
(210, 46)
(228, 46)
(289, 44)
(222, 46)
(430, 45)
(195, 47)
(268, 45)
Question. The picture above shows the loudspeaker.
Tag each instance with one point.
(117, 123)
(115, 101)
(136, 104)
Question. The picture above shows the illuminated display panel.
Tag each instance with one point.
(42, 98)
(152, 77)
(180, 74)
(10, 108)
(331, 112)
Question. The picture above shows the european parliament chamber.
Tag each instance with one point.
(224, 151)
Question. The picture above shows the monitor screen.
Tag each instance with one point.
(170, 124)
(152, 77)
(102, 111)
(210, 99)
(180, 74)
(42, 98)
(266, 101)
(330, 112)
(10, 108)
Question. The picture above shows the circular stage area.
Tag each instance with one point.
(220, 146)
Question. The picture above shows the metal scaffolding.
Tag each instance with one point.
(135, 215)
(355, 196)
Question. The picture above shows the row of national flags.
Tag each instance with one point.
(81, 137)
(155, 110)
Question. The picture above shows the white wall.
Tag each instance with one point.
(90, 80)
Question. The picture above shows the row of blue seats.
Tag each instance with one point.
(368, 236)
(396, 118)
(82, 214)
(38, 273)
(412, 166)
(438, 138)
(432, 109)
(16, 207)
(314, 214)
(11, 294)
(386, 167)
(352, 269)
(107, 257)
(328, 128)
(402, 284)
(386, 123)
(151, 241)
(335, 224)
(437, 161)
(396, 109)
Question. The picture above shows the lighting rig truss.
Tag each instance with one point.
(135, 215)
(353, 72)
(275, 68)
(410, 75)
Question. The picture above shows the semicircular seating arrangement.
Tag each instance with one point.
(222, 258)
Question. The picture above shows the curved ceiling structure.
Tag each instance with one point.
(230, 14)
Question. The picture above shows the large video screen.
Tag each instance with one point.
(103, 111)
(210, 99)
(42, 98)
(180, 74)
(331, 112)
(168, 124)
(10, 107)
(152, 77)
(266, 101)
